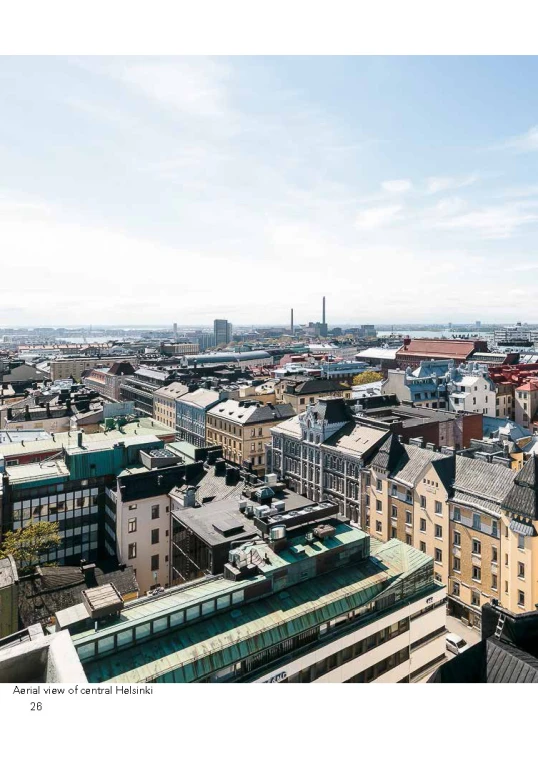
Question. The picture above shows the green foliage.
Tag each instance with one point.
(368, 376)
(28, 543)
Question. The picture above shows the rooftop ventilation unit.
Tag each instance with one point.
(242, 504)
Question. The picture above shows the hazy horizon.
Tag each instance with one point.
(188, 188)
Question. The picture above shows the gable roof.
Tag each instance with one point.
(405, 462)
(522, 498)
(432, 348)
(481, 484)
(490, 661)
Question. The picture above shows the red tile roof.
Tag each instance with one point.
(430, 348)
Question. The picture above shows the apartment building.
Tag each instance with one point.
(107, 380)
(302, 393)
(518, 553)
(243, 429)
(441, 385)
(164, 403)
(191, 414)
(416, 350)
(526, 403)
(70, 489)
(447, 506)
(142, 385)
(478, 491)
(356, 611)
(138, 521)
(320, 454)
(74, 367)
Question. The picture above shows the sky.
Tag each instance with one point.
(159, 190)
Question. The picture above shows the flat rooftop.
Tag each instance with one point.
(205, 520)
(200, 648)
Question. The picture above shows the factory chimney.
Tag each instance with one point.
(292, 321)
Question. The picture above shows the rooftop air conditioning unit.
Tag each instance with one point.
(279, 505)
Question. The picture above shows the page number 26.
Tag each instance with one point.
(36, 706)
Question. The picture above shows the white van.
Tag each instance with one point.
(455, 644)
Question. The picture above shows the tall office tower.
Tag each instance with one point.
(222, 331)
(175, 331)
(323, 326)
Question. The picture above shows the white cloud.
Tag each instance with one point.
(489, 222)
(397, 186)
(439, 184)
(525, 143)
(379, 216)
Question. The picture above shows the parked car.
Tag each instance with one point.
(456, 644)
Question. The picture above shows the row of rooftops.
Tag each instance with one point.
(468, 481)
(208, 624)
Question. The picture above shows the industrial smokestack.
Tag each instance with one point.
(323, 317)
(292, 321)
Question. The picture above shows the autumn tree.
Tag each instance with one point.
(28, 543)
(368, 376)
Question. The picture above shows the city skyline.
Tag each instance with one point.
(153, 183)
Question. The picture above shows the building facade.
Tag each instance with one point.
(243, 429)
(191, 415)
(164, 403)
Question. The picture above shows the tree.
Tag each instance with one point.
(28, 543)
(368, 376)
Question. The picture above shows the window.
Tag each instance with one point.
(494, 528)
(520, 570)
(378, 485)
(438, 531)
(477, 547)
(154, 562)
(506, 587)
(154, 512)
(408, 539)
(423, 546)
(521, 598)
(457, 515)
(132, 551)
(378, 506)
(520, 542)
(477, 524)
(457, 538)
(422, 524)
(438, 508)
(457, 565)
(494, 554)
(394, 511)
(438, 556)
(493, 581)
(456, 589)
(378, 526)
(131, 525)
(408, 517)
(477, 573)
(506, 560)
(132, 507)
(422, 501)
(394, 533)
(475, 599)
(155, 536)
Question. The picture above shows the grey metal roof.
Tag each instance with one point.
(417, 460)
(522, 499)
(525, 529)
(483, 479)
